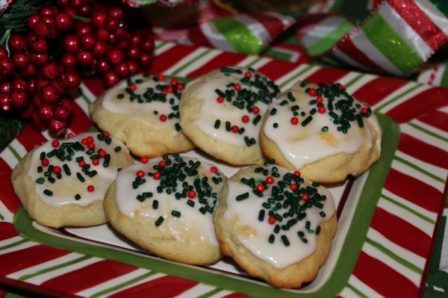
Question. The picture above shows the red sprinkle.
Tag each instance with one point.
(102, 153)
(161, 77)
(173, 82)
(341, 87)
(245, 119)
(90, 139)
(106, 134)
(271, 220)
(260, 187)
(91, 145)
(56, 170)
(162, 118)
(270, 180)
(45, 162)
(144, 159)
(237, 87)
(133, 87)
(365, 110)
(191, 194)
(55, 143)
(294, 120)
(95, 161)
(220, 99)
(90, 188)
(84, 141)
(140, 174)
(305, 197)
(156, 175)
(162, 163)
(312, 92)
(169, 89)
(321, 109)
(164, 92)
(81, 163)
(319, 99)
(255, 110)
(293, 186)
(235, 128)
(70, 135)
(214, 170)
(248, 74)
(297, 173)
(180, 87)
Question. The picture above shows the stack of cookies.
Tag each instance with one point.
(272, 217)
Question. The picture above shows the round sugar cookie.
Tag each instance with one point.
(166, 207)
(222, 112)
(322, 131)
(275, 225)
(63, 182)
(143, 113)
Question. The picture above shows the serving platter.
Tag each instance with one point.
(387, 216)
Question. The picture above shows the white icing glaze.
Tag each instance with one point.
(65, 189)
(254, 234)
(191, 222)
(143, 111)
(226, 111)
(303, 145)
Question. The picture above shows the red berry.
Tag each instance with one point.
(39, 58)
(5, 102)
(191, 194)
(255, 110)
(87, 41)
(42, 29)
(55, 143)
(135, 39)
(46, 113)
(112, 26)
(270, 180)
(62, 113)
(37, 101)
(140, 174)
(294, 120)
(48, 11)
(40, 45)
(71, 80)
(134, 52)
(102, 66)
(293, 186)
(220, 99)
(102, 34)
(71, 44)
(83, 29)
(5, 87)
(95, 161)
(156, 175)
(122, 70)
(45, 162)
(162, 118)
(312, 92)
(49, 94)
(30, 71)
(17, 43)
(32, 21)
(19, 99)
(32, 86)
(63, 21)
(271, 220)
(144, 159)
(98, 19)
(3, 53)
(148, 45)
(6, 67)
(115, 56)
(51, 71)
(116, 13)
(321, 109)
(90, 188)
(260, 187)
(235, 128)
(120, 34)
(84, 10)
(145, 59)
(19, 85)
(84, 58)
(100, 49)
(21, 60)
(133, 67)
(214, 170)
(297, 173)
(68, 61)
(111, 79)
(162, 163)
(237, 87)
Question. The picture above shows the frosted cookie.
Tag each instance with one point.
(143, 113)
(322, 131)
(275, 226)
(166, 206)
(63, 182)
(222, 113)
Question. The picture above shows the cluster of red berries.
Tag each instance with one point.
(40, 69)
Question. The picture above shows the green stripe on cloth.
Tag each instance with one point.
(296, 76)
(444, 82)
(358, 292)
(52, 268)
(211, 293)
(408, 209)
(433, 134)
(238, 35)
(191, 61)
(390, 43)
(14, 152)
(394, 256)
(395, 98)
(324, 44)
(123, 284)
(419, 169)
(18, 242)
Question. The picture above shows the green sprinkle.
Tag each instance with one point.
(117, 149)
(120, 96)
(285, 240)
(307, 121)
(48, 192)
(159, 221)
(273, 111)
(80, 177)
(256, 119)
(77, 197)
(155, 204)
(66, 170)
(228, 126)
(275, 125)
(242, 196)
(40, 180)
(324, 129)
(261, 215)
(217, 124)
(175, 213)
(271, 238)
